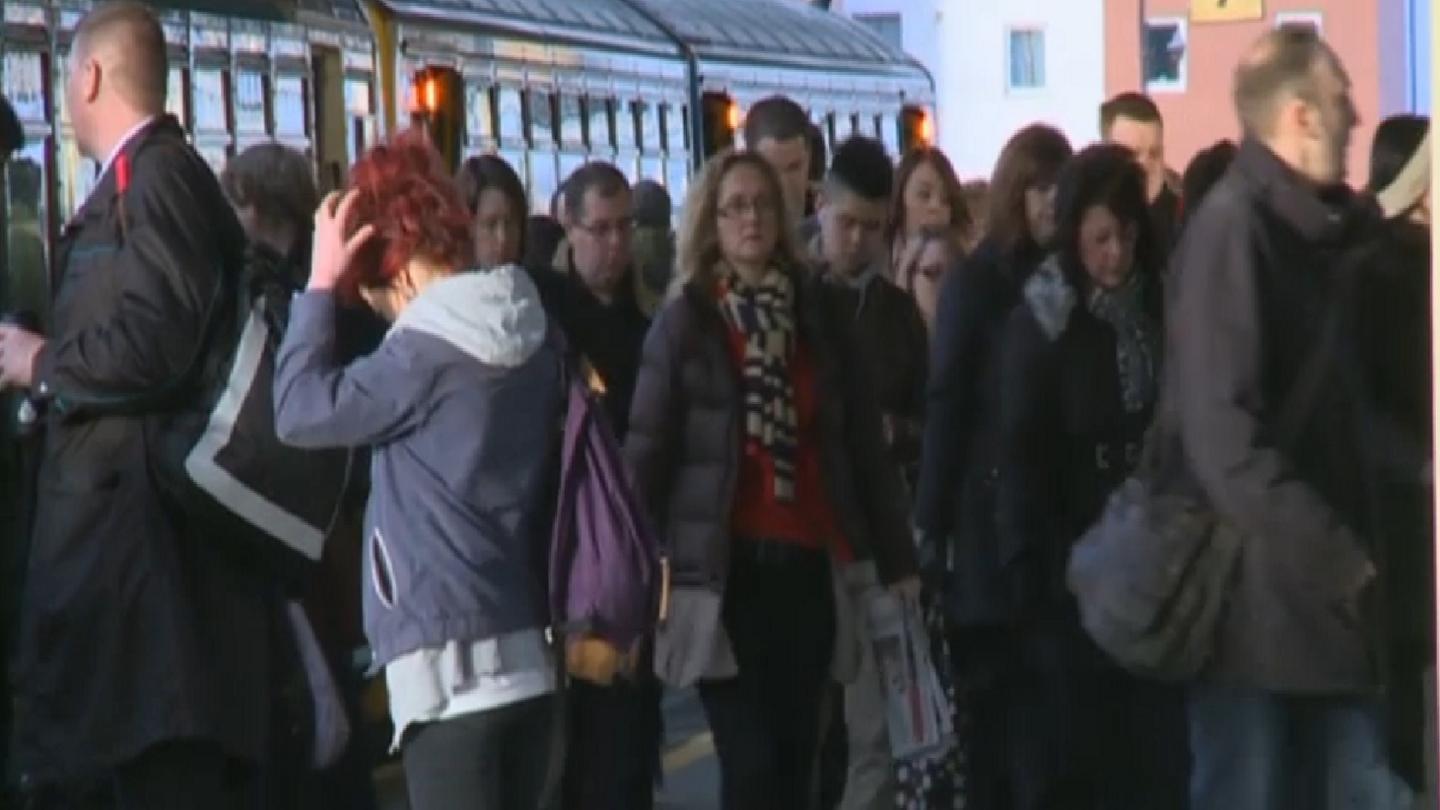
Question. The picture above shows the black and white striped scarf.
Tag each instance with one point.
(764, 314)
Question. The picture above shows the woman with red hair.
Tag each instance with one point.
(459, 405)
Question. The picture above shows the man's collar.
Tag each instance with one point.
(124, 142)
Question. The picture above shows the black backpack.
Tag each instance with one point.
(222, 463)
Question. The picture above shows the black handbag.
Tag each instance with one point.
(1153, 574)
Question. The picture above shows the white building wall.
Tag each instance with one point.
(977, 112)
(919, 29)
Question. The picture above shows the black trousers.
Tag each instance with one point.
(170, 776)
(1053, 727)
(490, 760)
(780, 615)
(613, 753)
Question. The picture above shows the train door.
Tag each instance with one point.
(332, 152)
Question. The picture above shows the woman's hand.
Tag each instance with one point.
(333, 252)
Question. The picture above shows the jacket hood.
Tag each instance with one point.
(494, 315)
(1051, 299)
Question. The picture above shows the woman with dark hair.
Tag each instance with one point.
(1391, 285)
(1201, 175)
(744, 393)
(496, 199)
(1080, 377)
(929, 256)
(928, 194)
(273, 190)
(459, 405)
(955, 499)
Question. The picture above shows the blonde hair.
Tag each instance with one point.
(698, 247)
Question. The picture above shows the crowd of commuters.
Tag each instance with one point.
(845, 375)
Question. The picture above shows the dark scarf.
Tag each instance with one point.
(764, 314)
(1137, 339)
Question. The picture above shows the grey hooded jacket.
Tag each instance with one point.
(461, 405)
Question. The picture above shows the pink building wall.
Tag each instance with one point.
(1203, 113)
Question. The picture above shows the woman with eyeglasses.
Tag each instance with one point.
(743, 391)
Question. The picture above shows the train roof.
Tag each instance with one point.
(777, 32)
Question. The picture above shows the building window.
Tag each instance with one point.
(886, 26)
(1027, 59)
(1166, 55)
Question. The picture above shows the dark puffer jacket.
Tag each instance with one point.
(684, 444)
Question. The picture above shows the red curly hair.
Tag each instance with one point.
(417, 211)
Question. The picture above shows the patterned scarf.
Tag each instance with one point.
(764, 314)
(1137, 340)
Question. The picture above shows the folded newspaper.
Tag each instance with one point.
(919, 714)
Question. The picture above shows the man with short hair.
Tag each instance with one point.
(1287, 713)
(890, 344)
(1132, 120)
(591, 293)
(142, 665)
(778, 130)
(654, 245)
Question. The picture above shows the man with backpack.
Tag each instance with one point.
(1287, 711)
(142, 659)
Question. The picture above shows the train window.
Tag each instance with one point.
(479, 113)
(626, 136)
(516, 159)
(290, 107)
(569, 163)
(572, 120)
(602, 124)
(653, 168)
(544, 179)
(676, 136)
(25, 85)
(250, 103)
(357, 97)
(677, 178)
(26, 283)
(541, 108)
(889, 132)
(649, 116)
(512, 114)
(175, 95)
(209, 91)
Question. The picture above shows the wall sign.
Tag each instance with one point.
(1215, 11)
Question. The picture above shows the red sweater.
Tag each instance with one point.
(757, 513)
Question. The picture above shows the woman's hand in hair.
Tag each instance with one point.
(333, 251)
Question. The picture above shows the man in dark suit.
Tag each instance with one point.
(141, 666)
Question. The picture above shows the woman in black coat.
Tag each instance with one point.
(955, 498)
(1079, 383)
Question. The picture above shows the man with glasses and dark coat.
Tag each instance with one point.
(591, 294)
